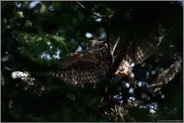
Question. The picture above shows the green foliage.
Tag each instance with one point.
(34, 38)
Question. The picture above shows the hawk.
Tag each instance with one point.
(92, 64)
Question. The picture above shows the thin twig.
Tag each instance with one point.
(108, 41)
(93, 13)
(140, 104)
(81, 5)
(115, 45)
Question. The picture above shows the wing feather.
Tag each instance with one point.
(86, 66)
(141, 48)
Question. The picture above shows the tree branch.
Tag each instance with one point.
(167, 75)
(108, 41)
(93, 13)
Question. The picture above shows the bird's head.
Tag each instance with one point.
(124, 69)
(95, 44)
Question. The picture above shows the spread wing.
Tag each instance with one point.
(90, 65)
(86, 66)
(141, 48)
(137, 48)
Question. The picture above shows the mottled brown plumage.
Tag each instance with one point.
(90, 65)
(86, 66)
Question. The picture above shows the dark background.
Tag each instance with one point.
(31, 37)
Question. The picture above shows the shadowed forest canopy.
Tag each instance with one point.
(91, 61)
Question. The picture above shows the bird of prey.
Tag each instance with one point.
(91, 64)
